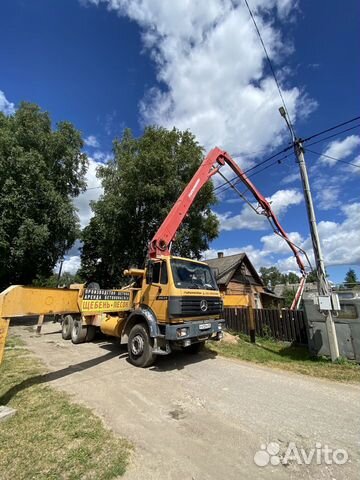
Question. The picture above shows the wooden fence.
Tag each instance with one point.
(285, 325)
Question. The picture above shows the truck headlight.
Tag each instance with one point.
(182, 332)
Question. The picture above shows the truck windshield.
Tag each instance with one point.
(192, 275)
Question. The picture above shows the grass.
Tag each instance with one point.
(287, 357)
(50, 437)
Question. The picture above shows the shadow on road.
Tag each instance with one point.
(48, 377)
(179, 360)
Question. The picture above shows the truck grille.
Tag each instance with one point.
(194, 306)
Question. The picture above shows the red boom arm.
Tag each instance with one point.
(215, 159)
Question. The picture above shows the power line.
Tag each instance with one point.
(333, 158)
(269, 62)
(330, 129)
(278, 161)
(334, 135)
(257, 165)
(287, 149)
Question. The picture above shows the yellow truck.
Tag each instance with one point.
(172, 302)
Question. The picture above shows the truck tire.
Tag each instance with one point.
(140, 347)
(78, 332)
(66, 327)
(194, 348)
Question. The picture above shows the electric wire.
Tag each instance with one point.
(278, 161)
(334, 135)
(287, 149)
(330, 129)
(269, 62)
(333, 158)
(258, 165)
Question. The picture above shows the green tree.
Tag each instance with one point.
(288, 296)
(312, 277)
(271, 276)
(291, 278)
(53, 281)
(350, 280)
(141, 184)
(41, 170)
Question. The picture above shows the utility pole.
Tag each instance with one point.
(324, 289)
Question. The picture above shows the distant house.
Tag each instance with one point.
(240, 283)
(309, 291)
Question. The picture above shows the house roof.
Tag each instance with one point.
(227, 266)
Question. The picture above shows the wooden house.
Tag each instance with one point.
(240, 283)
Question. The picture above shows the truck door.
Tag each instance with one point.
(157, 290)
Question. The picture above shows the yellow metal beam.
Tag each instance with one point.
(18, 301)
(240, 300)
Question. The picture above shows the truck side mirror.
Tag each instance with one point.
(149, 273)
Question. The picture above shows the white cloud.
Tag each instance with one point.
(5, 106)
(328, 197)
(71, 264)
(283, 199)
(339, 149)
(91, 141)
(291, 178)
(280, 201)
(101, 157)
(274, 244)
(93, 192)
(355, 168)
(327, 188)
(339, 240)
(212, 69)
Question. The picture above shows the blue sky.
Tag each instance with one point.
(110, 64)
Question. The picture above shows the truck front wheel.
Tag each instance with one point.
(140, 347)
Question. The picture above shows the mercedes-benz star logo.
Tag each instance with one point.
(203, 305)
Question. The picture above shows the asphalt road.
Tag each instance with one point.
(205, 417)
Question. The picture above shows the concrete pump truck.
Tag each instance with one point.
(172, 302)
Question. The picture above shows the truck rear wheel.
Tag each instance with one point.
(66, 327)
(78, 332)
(140, 347)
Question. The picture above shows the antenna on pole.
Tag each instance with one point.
(324, 290)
